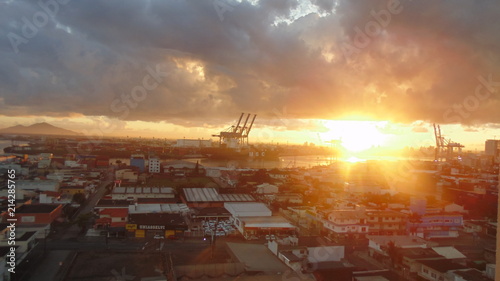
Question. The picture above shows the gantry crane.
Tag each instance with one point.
(444, 147)
(236, 135)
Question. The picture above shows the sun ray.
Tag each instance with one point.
(356, 136)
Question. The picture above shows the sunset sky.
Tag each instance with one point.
(372, 73)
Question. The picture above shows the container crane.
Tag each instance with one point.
(236, 135)
(445, 148)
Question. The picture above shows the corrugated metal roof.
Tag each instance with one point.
(211, 195)
(143, 190)
(449, 252)
(158, 208)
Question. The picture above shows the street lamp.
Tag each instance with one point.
(45, 240)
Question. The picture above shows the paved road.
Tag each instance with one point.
(74, 230)
(58, 251)
(50, 265)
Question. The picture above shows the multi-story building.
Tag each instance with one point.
(438, 269)
(347, 224)
(37, 213)
(438, 225)
(154, 165)
(386, 222)
(492, 149)
(137, 160)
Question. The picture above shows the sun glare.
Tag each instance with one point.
(356, 136)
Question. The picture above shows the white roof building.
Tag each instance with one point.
(158, 208)
(267, 188)
(142, 192)
(41, 185)
(271, 222)
(378, 242)
(211, 195)
(248, 209)
(449, 252)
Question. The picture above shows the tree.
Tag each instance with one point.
(415, 220)
(196, 169)
(261, 176)
(393, 252)
(82, 220)
(79, 198)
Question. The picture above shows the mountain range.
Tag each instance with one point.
(38, 129)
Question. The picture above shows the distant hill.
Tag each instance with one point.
(38, 129)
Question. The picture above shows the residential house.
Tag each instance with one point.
(451, 253)
(37, 213)
(306, 253)
(470, 275)
(266, 188)
(438, 225)
(288, 198)
(411, 257)
(278, 175)
(113, 220)
(438, 270)
(38, 185)
(129, 175)
(386, 222)
(378, 244)
(347, 224)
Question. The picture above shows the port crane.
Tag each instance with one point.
(236, 135)
(445, 148)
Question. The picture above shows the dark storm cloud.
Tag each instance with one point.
(425, 64)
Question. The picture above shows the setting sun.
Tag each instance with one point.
(356, 136)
